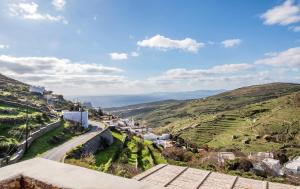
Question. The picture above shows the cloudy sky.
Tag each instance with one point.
(101, 47)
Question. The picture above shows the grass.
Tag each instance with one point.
(156, 156)
(17, 114)
(105, 157)
(42, 144)
(229, 119)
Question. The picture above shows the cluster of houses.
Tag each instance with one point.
(80, 117)
(129, 125)
(48, 95)
(264, 162)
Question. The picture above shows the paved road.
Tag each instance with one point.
(57, 153)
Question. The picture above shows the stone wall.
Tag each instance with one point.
(22, 182)
(19, 104)
(98, 142)
(14, 183)
(34, 135)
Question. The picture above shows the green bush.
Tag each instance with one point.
(7, 145)
(238, 164)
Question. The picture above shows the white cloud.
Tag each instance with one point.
(183, 74)
(231, 42)
(62, 75)
(284, 14)
(59, 4)
(118, 56)
(29, 11)
(164, 43)
(2, 46)
(135, 54)
(288, 58)
(51, 66)
(295, 28)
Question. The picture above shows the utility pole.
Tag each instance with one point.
(81, 115)
(26, 130)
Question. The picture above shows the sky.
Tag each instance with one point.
(109, 47)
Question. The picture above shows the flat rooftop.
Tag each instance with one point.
(176, 177)
(43, 173)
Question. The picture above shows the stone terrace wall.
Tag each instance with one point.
(98, 142)
(23, 105)
(34, 135)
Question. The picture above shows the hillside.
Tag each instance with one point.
(16, 102)
(16, 91)
(132, 110)
(255, 118)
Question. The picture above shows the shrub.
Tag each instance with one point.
(57, 139)
(124, 170)
(39, 118)
(178, 154)
(75, 153)
(7, 146)
(245, 165)
(231, 165)
(280, 155)
(238, 164)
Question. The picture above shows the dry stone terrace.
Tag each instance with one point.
(176, 177)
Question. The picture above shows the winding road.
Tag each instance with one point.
(57, 153)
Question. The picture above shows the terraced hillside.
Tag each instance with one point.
(16, 91)
(16, 105)
(255, 118)
(12, 125)
(126, 157)
(132, 110)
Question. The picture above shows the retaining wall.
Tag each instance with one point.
(21, 148)
(23, 105)
(98, 142)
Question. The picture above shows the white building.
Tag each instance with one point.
(293, 166)
(37, 89)
(150, 136)
(163, 143)
(223, 156)
(88, 105)
(164, 137)
(273, 165)
(259, 156)
(77, 117)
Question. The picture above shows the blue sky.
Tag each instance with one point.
(131, 46)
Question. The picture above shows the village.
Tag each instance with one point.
(260, 163)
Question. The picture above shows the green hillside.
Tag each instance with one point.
(16, 104)
(255, 118)
(16, 91)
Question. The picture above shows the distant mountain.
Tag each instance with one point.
(125, 100)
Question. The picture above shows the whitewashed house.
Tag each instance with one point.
(150, 136)
(87, 105)
(164, 137)
(77, 116)
(37, 89)
(293, 166)
(223, 156)
(259, 156)
(272, 165)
